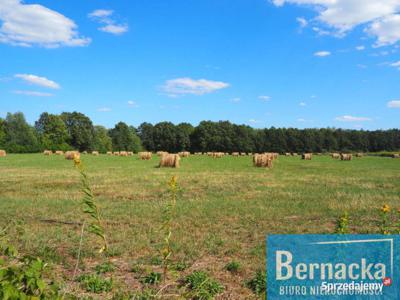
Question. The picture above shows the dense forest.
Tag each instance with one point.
(76, 131)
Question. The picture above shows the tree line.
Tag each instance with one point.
(76, 131)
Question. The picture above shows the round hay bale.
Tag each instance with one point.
(345, 156)
(184, 154)
(70, 155)
(48, 152)
(263, 160)
(335, 155)
(3, 153)
(145, 155)
(306, 156)
(170, 161)
(95, 153)
(59, 152)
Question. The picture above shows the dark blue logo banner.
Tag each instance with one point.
(333, 267)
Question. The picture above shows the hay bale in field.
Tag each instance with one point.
(84, 152)
(306, 156)
(345, 156)
(335, 155)
(198, 153)
(130, 153)
(287, 154)
(218, 154)
(359, 154)
(123, 153)
(161, 153)
(109, 153)
(396, 155)
(170, 161)
(116, 153)
(235, 154)
(47, 152)
(184, 154)
(59, 152)
(243, 153)
(294, 154)
(144, 155)
(70, 155)
(95, 153)
(3, 153)
(262, 160)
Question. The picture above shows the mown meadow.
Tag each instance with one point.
(224, 209)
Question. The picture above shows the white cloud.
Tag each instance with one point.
(115, 29)
(40, 81)
(395, 64)
(303, 104)
(322, 53)
(254, 121)
(36, 25)
(360, 48)
(394, 104)
(33, 93)
(348, 118)
(132, 104)
(235, 100)
(189, 86)
(301, 120)
(104, 16)
(387, 30)
(264, 98)
(101, 13)
(302, 22)
(104, 109)
(379, 18)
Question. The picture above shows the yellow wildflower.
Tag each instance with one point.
(385, 208)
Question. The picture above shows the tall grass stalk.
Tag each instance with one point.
(90, 207)
(169, 214)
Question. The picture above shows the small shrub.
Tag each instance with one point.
(233, 267)
(202, 287)
(180, 266)
(23, 279)
(156, 261)
(94, 283)
(342, 224)
(105, 268)
(137, 268)
(152, 278)
(258, 283)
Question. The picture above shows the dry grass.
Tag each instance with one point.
(224, 210)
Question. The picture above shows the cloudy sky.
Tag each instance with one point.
(282, 63)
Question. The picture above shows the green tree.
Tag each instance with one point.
(146, 134)
(2, 132)
(19, 136)
(80, 130)
(124, 138)
(165, 137)
(183, 132)
(102, 141)
(52, 132)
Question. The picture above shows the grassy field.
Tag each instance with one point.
(225, 209)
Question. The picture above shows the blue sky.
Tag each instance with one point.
(282, 63)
